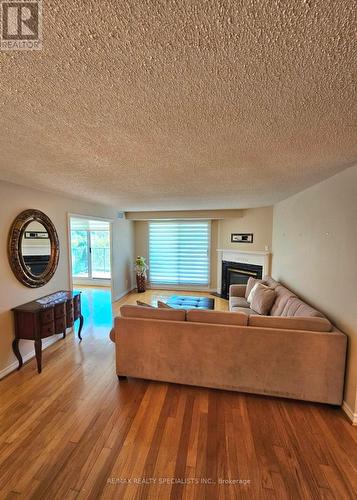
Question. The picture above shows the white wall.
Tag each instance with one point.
(258, 221)
(123, 258)
(13, 200)
(315, 254)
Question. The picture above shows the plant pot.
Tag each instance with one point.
(141, 283)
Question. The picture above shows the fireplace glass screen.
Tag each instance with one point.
(236, 273)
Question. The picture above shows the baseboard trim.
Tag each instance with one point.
(352, 416)
(178, 289)
(91, 282)
(13, 366)
(121, 295)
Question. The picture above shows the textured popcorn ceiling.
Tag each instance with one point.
(182, 104)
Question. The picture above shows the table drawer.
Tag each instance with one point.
(47, 316)
(48, 329)
(60, 310)
(69, 306)
(60, 325)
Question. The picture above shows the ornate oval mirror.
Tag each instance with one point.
(33, 248)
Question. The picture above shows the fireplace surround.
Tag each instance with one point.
(237, 273)
(255, 258)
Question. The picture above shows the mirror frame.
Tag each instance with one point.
(16, 260)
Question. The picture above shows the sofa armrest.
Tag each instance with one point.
(237, 290)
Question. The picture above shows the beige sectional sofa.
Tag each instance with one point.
(295, 353)
(286, 303)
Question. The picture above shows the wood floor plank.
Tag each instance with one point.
(133, 393)
(198, 489)
(74, 432)
(168, 452)
(182, 452)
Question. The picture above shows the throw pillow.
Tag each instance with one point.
(263, 299)
(163, 305)
(250, 285)
(143, 304)
(253, 290)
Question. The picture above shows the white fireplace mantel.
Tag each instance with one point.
(246, 257)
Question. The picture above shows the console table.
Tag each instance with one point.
(44, 317)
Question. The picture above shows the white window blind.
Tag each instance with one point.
(179, 252)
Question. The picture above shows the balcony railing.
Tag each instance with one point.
(100, 259)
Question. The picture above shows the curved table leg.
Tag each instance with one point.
(38, 351)
(15, 348)
(81, 320)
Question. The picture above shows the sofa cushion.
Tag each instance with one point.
(282, 296)
(245, 310)
(129, 311)
(238, 302)
(312, 324)
(220, 317)
(268, 280)
(296, 307)
(262, 299)
(250, 284)
(237, 290)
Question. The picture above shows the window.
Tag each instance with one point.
(179, 252)
(90, 248)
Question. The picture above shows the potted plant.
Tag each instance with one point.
(140, 268)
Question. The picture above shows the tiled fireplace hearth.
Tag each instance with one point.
(235, 266)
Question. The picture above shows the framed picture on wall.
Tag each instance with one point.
(242, 238)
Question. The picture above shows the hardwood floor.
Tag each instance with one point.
(75, 432)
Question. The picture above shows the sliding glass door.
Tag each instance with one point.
(100, 254)
(90, 248)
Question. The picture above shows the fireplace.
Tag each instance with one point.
(237, 273)
(37, 263)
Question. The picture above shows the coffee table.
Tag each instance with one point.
(190, 302)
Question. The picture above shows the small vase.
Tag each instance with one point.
(141, 283)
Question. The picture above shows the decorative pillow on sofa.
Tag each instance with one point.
(253, 290)
(263, 299)
(143, 304)
(163, 305)
(250, 285)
